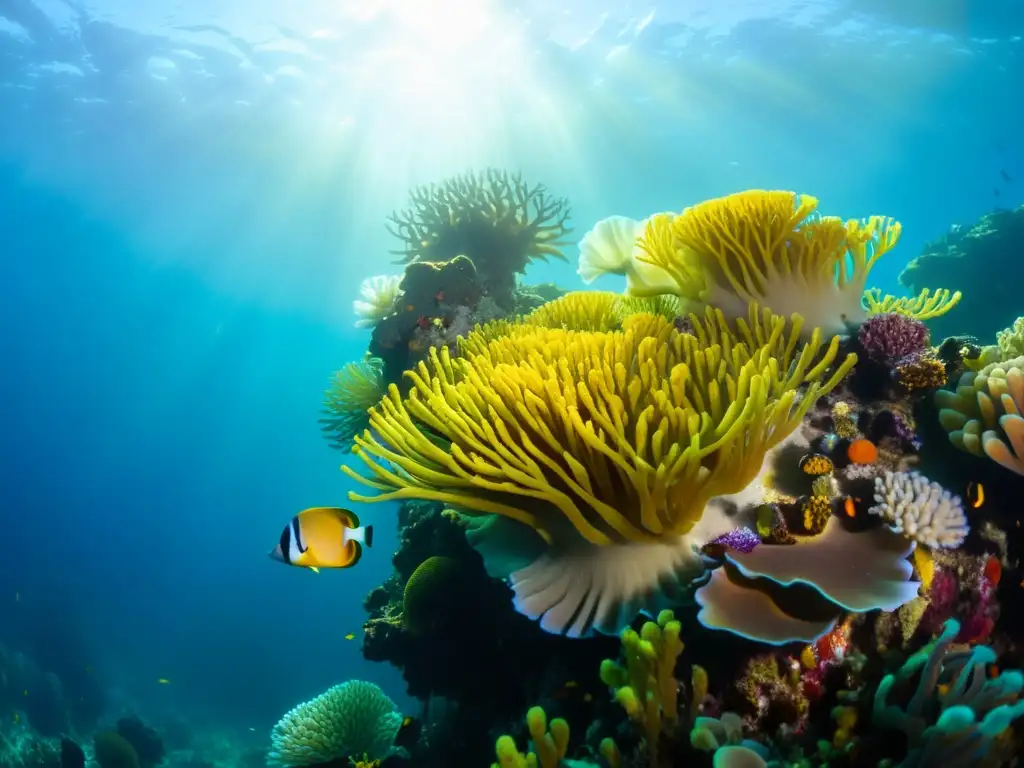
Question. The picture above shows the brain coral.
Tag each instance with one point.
(353, 718)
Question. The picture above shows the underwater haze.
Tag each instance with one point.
(191, 194)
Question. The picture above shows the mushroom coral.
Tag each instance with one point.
(592, 455)
(769, 247)
(983, 415)
(494, 218)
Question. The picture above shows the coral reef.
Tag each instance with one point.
(972, 258)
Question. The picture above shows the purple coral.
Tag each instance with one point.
(740, 539)
(890, 337)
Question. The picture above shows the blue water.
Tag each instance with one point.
(188, 202)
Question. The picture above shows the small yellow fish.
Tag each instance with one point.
(323, 537)
(975, 495)
(350, 636)
(163, 681)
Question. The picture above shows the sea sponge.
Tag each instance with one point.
(378, 296)
(925, 306)
(890, 337)
(983, 414)
(598, 439)
(768, 247)
(427, 590)
(353, 718)
(579, 311)
(921, 510)
(353, 390)
(494, 218)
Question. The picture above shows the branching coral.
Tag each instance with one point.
(921, 510)
(377, 299)
(646, 686)
(970, 709)
(353, 390)
(768, 247)
(495, 219)
(925, 306)
(354, 718)
(550, 743)
(616, 438)
(983, 414)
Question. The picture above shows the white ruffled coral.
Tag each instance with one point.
(921, 510)
(378, 296)
(354, 718)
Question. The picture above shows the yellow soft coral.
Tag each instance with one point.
(625, 436)
(579, 311)
(925, 306)
(646, 686)
(549, 743)
(983, 414)
(767, 247)
(1011, 340)
(353, 390)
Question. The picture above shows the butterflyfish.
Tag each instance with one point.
(323, 537)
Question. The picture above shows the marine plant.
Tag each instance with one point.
(983, 413)
(607, 446)
(353, 718)
(352, 391)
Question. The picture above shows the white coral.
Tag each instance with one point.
(378, 296)
(921, 510)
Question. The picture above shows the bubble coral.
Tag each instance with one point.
(607, 445)
(921, 510)
(768, 247)
(353, 390)
(983, 414)
(494, 218)
(353, 718)
(925, 306)
(377, 299)
(889, 337)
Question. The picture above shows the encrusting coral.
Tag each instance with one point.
(983, 414)
(352, 392)
(599, 443)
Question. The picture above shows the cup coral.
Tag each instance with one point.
(921, 510)
(768, 247)
(606, 445)
(353, 718)
(889, 337)
(377, 299)
(983, 414)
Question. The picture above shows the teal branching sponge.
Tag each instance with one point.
(354, 718)
(949, 683)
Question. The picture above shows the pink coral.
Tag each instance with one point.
(890, 337)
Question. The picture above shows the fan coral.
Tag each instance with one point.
(889, 337)
(353, 718)
(353, 390)
(378, 296)
(983, 414)
(925, 306)
(970, 710)
(921, 510)
(495, 219)
(597, 439)
(767, 247)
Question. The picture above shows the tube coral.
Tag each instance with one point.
(768, 247)
(921, 510)
(983, 414)
(598, 439)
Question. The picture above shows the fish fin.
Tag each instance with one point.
(357, 553)
(368, 535)
(607, 248)
(314, 569)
